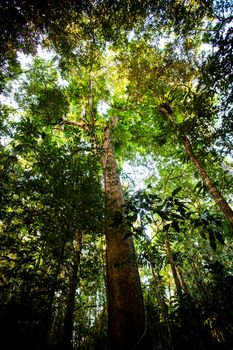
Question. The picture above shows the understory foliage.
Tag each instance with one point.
(69, 72)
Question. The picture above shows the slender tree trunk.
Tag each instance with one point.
(49, 317)
(217, 196)
(126, 314)
(215, 193)
(69, 315)
(172, 263)
(160, 299)
(182, 279)
(165, 333)
(200, 285)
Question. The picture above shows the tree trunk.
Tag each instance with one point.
(159, 296)
(182, 279)
(200, 284)
(172, 263)
(126, 314)
(215, 193)
(126, 311)
(165, 332)
(68, 320)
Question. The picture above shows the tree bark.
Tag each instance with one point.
(126, 314)
(212, 189)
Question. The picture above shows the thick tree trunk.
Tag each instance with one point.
(126, 311)
(70, 305)
(126, 314)
(215, 193)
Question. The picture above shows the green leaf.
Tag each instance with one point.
(176, 191)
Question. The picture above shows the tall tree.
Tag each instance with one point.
(220, 201)
(126, 322)
(133, 78)
(126, 314)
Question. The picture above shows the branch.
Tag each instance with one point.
(165, 109)
(81, 124)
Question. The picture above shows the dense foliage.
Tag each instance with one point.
(71, 71)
